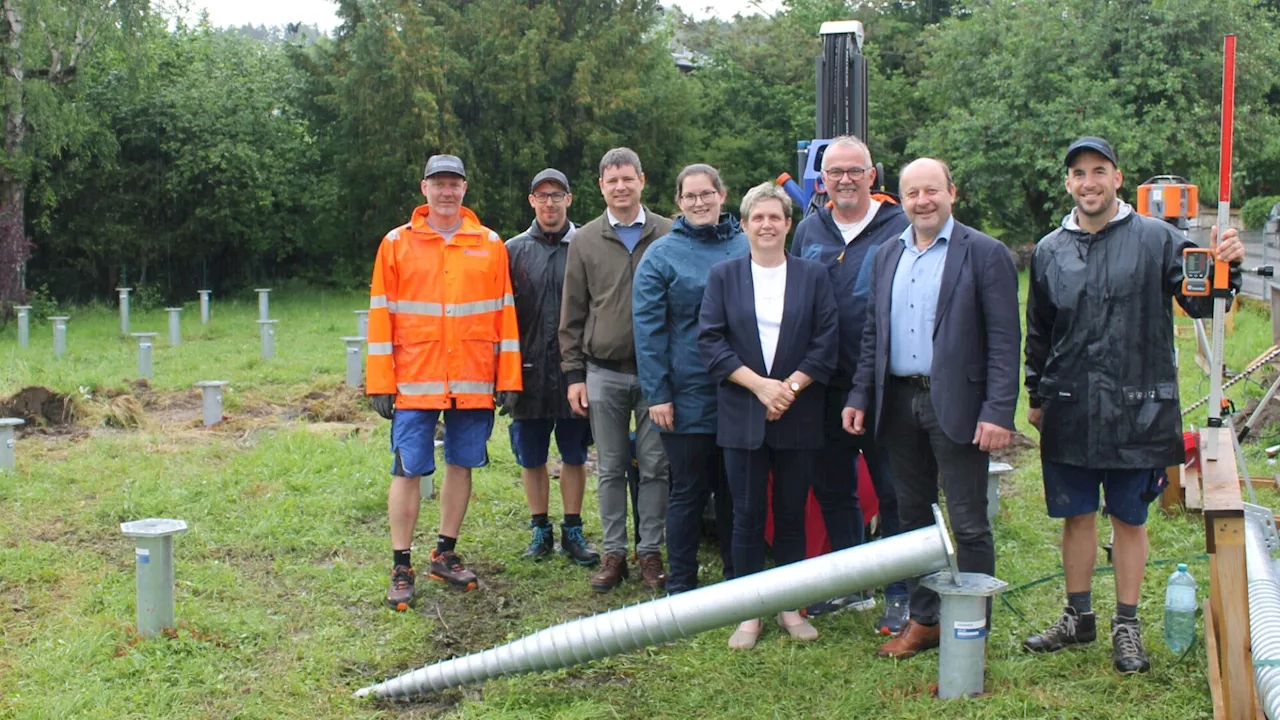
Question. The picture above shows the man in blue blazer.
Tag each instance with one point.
(939, 365)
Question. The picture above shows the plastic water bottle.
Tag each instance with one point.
(1180, 610)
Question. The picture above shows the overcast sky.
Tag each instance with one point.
(321, 12)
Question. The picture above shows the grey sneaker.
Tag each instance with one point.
(861, 601)
(1071, 628)
(400, 591)
(894, 617)
(1127, 655)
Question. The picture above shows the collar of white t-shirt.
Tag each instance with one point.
(852, 230)
(615, 222)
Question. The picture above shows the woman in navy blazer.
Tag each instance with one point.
(767, 332)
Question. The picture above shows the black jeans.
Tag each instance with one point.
(835, 484)
(924, 458)
(748, 484)
(882, 480)
(697, 471)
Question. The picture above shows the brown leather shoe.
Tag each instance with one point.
(612, 572)
(652, 574)
(913, 639)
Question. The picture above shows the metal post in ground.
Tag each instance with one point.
(995, 471)
(154, 555)
(264, 302)
(267, 330)
(362, 323)
(355, 361)
(204, 306)
(124, 310)
(145, 342)
(60, 335)
(24, 325)
(175, 326)
(211, 400)
(962, 655)
(7, 428)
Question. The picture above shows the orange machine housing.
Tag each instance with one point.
(1168, 197)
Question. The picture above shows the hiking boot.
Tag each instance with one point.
(858, 601)
(652, 573)
(542, 544)
(1072, 628)
(915, 638)
(1127, 655)
(446, 567)
(611, 574)
(894, 617)
(400, 592)
(574, 546)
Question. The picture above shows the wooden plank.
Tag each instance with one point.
(1191, 489)
(1220, 481)
(1230, 602)
(1215, 673)
(1171, 500)
(1268, 481)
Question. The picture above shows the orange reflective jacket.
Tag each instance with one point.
(442, 322)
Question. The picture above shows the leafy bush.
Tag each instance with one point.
(1254, 213)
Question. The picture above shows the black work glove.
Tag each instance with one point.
(506, 400)
(384, 405)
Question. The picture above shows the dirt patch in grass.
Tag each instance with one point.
(40, 407)
(342, 405)
(1267, 419)
(1010, 453)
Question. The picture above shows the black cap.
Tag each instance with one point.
(438, 164)
(550, 175)
(1096, 144)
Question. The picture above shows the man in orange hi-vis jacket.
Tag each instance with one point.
(442, 337)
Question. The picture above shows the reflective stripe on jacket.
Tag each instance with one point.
(442, 322)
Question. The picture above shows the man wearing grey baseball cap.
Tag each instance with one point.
(443, 338)
(1103, 387)
(538, 258)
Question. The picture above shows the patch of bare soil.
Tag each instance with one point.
(40, 407)
(1010, 452)
(342, 405)
(1267, 419)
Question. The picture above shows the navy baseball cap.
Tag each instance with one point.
(439, 164)
(550, 175)
(1096, 144)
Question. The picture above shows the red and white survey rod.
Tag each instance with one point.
(1221, 272)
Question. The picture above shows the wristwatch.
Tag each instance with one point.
(795, 386)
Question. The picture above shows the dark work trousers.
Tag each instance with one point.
(748, 485)
(836, 483)
(697, 471)
(923, 459)
(882, 481)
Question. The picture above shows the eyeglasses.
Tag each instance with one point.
(854, 173)
(705, 196)
(543, 198)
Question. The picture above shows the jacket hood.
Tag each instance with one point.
(888, 211)
(1069, 222)
(725, 228)
(536, 232)
(470, 223)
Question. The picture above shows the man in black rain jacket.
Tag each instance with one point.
(1103, 385)
(537, 260)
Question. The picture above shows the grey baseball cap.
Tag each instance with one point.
(437, 164)
(550, 175)
(1096, 144)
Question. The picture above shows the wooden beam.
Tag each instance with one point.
(1191, 489)
(1268, 481)
(1215, 672)
(1228, 584)
(1171, 500)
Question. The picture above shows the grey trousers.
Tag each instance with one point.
(612, 399)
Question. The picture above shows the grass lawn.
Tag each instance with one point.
(280, 579)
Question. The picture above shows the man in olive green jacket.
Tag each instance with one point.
(598, 358)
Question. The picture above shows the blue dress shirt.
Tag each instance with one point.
(914, 303)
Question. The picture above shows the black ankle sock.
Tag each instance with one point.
(573, 520)
(1082, 602)
(401, 557)
(445, 544)
(1126, 612)
(540, 520)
